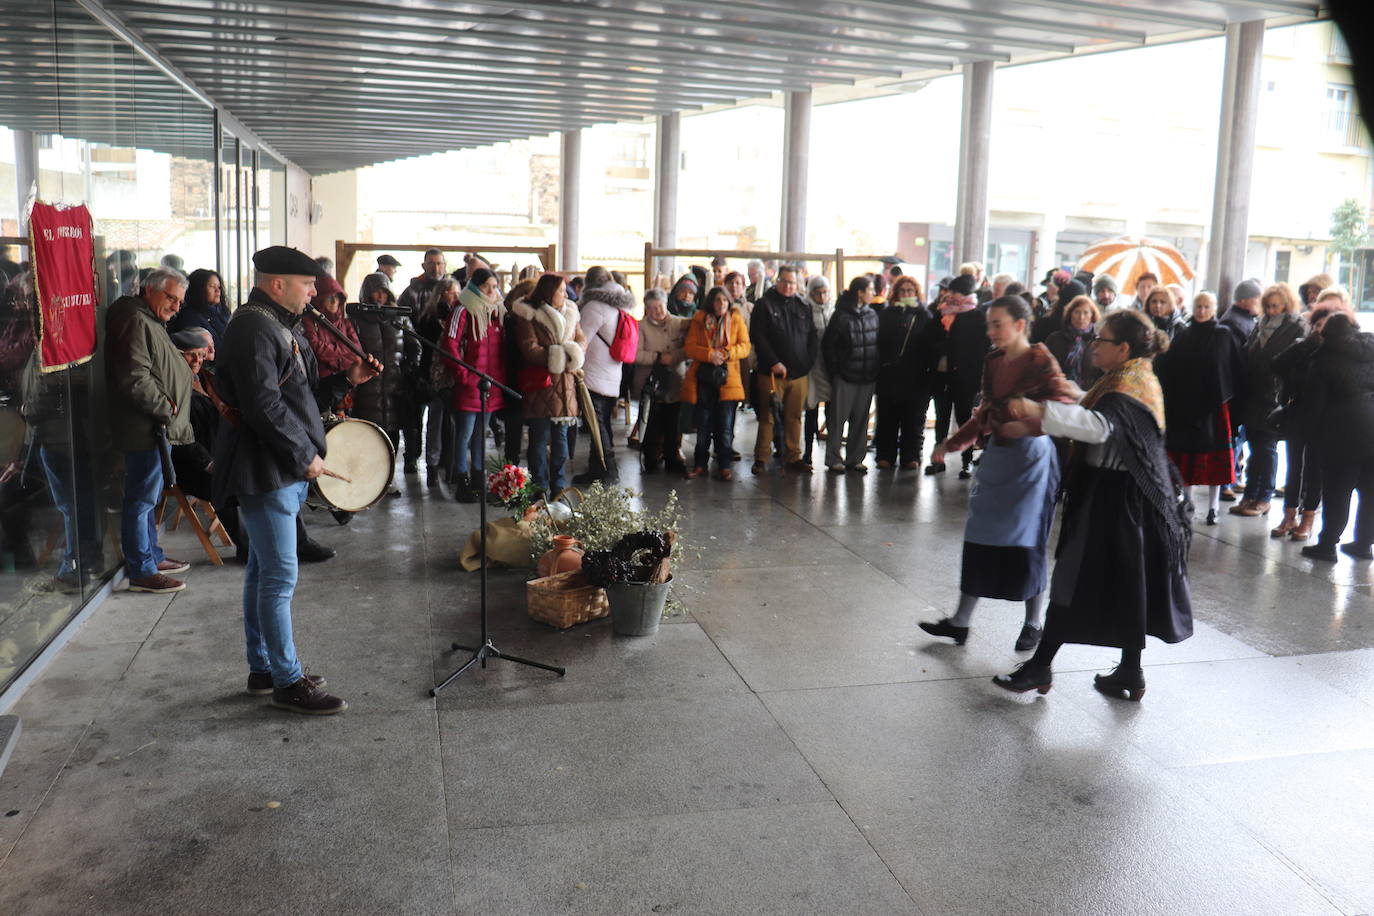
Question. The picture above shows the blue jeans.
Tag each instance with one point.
(137, 520)
(716, 421)
(270, 581)
(1264, 464)
(471, 441)
(548, 454)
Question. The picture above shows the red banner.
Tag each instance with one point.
(64, 277)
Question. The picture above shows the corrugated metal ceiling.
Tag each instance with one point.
(336, 84)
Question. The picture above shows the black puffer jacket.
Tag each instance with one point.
(850, 344)
(1341, 385)
(904, 353)
(388, 399)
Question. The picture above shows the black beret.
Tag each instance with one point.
(964, 285)
(890, 259)
(387, 260)
(282, 260)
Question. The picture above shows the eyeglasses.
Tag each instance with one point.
(174, 300)
(1098, 340)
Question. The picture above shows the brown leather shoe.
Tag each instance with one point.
(1303, 532)
(726, 475)
(1290, 522)
(260, 682)
(156, 584)
(694, 473)
(1241, 508)
(168, 565)
(800, 467)
(305, 697)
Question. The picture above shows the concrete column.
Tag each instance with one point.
(569, 199)
(25, 175)
(666, 166)
(796, 165)
(975, 139)
(1235, 159)
(1211, 270)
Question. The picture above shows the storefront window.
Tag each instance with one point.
(84, 120)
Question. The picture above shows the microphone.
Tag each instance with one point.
(385, 311)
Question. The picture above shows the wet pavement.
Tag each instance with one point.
(791, 745)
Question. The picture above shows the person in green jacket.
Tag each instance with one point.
(149, 393)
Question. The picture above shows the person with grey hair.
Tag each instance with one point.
(326, 264)
(174, 261)
(822, 304)
(1000, 282)
(660, 363)
(149, 400)
(758, 282)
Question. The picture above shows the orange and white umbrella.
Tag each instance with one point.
(1128, 257)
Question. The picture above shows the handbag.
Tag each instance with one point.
(659, 382)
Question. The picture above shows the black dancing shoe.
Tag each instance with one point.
(943, 627)
(1029, 638)
(935, 468)
(1212, 517)
(1319, 551)
(1130, 682)
(965, 473)
(1029, 676)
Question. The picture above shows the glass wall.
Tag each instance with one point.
(87, 120)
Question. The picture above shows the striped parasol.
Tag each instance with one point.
(1127, 257)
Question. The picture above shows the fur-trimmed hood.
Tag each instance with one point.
(565, 353)
(613, 294)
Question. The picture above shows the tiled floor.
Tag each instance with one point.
(795, 745)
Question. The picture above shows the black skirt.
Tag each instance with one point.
(1006, 573)
(1114, 581)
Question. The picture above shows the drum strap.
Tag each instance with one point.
(287, 338)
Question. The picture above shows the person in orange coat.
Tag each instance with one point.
(717, 340)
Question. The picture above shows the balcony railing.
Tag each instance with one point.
(1344, 127)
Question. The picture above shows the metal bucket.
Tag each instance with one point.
(637, 607)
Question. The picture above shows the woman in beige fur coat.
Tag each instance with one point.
(552, 349)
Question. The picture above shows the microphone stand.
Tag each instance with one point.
(487, 649)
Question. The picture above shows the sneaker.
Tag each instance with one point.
(260, 682)
(305, 697)
(156, 584)
(168, 565)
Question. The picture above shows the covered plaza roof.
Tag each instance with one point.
(339, 84)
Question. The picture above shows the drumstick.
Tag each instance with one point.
(328, 473)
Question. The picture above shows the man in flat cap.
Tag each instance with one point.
(265, 455)
(387, 265)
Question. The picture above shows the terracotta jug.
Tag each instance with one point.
(564, 556)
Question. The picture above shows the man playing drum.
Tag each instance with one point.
(265, 455)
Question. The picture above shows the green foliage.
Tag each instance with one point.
(1349, 228)
(607, 514)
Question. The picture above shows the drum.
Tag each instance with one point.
(360, 451)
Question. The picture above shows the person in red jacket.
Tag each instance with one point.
(475, 336)
(330, 352)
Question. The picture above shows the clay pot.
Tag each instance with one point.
(564, 556)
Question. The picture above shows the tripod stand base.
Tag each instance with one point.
(481, 654)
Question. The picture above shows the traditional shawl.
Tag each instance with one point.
(1136, 380)
(1128, 397)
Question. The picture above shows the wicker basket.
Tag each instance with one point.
(565, 600)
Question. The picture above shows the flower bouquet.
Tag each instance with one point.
(511, 486)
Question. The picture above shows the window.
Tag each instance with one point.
(1283, 262)
(1341, 122)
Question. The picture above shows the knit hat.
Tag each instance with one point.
(1248, 289)
(1105, 281)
